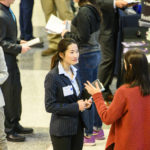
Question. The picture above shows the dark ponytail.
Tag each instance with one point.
(62, 47)
(55, 60)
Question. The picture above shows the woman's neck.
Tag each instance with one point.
(66, 67)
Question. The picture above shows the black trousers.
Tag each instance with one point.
(106, 67)
(74, 142)
(12, 94)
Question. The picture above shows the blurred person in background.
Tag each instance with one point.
(61, 9)
(108, 41)
(3, 77)
(25, 19)
(12, 87)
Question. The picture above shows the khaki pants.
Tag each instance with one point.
(60, 8)
(3, 141)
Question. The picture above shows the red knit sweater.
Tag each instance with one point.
(129, 114)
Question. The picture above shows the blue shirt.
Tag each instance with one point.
(73, 81)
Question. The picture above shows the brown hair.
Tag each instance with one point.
(137, 73)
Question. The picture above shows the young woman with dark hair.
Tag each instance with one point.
(62, 98)
(62, 47)
(85, 30)
(137, 74)
(130, 109)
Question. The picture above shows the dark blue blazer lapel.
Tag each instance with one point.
(79, 82)
(68, 82)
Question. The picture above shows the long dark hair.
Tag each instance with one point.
(62, 47)
(137, 73)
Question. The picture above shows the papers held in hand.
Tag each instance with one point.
(56, 25)
(86, 95)
(32, 42)
(132, 1)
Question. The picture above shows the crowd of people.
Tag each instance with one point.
(81, 55)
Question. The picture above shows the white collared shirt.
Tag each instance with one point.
(114, 4)
(73, 81)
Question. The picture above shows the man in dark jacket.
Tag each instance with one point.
(12, 87)
(108, 36)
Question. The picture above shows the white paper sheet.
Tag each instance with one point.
(32, 42)
(56, 25)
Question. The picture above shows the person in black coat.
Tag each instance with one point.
(108, 39)
(12, 87)
(62, 98)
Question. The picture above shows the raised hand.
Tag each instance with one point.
(91, 89)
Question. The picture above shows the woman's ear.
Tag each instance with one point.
(61, 55)
(130, 66)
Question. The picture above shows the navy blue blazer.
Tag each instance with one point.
(65, 111)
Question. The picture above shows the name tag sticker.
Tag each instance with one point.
(68, 90)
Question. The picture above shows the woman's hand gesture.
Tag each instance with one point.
(91, 89)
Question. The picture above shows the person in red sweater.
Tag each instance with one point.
(130, 109)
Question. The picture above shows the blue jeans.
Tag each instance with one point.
(88, 69)
(25, 18)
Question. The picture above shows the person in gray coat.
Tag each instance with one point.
(3, 77)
